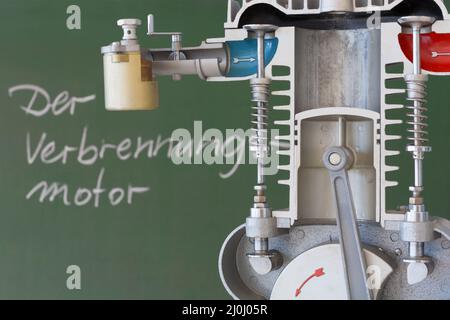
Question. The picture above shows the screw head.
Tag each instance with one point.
(129, 22)
(335, 159)
(445, 244)
(394, 237)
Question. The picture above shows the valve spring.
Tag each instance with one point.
(260, 124)
(416, 93)
(259, 138)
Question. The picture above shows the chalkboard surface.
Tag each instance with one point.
(136, 225)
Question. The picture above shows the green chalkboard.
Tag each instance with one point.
(137, 225)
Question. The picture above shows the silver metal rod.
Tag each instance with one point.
(261, 142)
(263, 260)
(261, 244)
(416, 249)
(418, 173)
(417, 66)
(342, 131)
(260, 35)
(416, 50)
(260, 47)
(416, 92)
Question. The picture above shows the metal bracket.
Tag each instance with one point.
(437, 224)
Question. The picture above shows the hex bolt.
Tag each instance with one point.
(394, 237)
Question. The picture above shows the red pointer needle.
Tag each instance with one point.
(318, 273)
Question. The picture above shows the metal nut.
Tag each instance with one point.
(415, 200)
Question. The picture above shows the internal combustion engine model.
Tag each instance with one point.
(337, 237)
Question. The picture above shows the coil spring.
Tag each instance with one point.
(416, 93)
(259, 138)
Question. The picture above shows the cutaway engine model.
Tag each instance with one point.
(337, 239)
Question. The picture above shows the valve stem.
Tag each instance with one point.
(261, 225)
(416, 89)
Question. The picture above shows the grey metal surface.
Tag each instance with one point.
(249, 285)
(239, 9)
(338, 68)
(315, 135)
